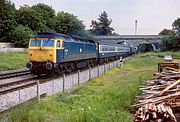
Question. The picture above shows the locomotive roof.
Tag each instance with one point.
(49, 35)
(58, 35)
(119, 43)
(107, 43)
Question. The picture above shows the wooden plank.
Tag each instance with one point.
(170, 86)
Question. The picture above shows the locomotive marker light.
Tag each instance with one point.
(45, 53)
(36, 53)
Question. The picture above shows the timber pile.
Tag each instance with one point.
(159, 113)
(159, 98)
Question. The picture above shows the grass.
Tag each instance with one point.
(12, 60)
(162, 54)
(107, 98)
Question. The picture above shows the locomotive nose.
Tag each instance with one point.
(49, 65)
(29, 65)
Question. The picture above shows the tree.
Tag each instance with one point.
(169, 42)
(176, 27)
(7, 20)
(68, 24)
(47, 13)
(165, 32)
(103, 26)
(28, 17)
(22, 36)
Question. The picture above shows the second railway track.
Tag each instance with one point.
(14, 74)
(12, 86)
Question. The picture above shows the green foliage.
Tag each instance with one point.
(176, 27)
(68, 23)
(165, 32)
(103, 26)
(169, 42)
(31, 18)
(22, 36)
(175, 55)
(7, 21)
(47, 13)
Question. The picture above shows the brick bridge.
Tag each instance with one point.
(135, 40)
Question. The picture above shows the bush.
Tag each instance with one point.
(22, 36)
(169, 42)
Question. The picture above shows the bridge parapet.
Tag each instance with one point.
(131, 37)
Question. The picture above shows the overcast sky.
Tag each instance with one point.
(152, 15)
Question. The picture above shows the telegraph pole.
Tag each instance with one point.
(135, 27)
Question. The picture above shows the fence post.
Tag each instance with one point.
(78, 77)
(38, 91)
(89, 73)
(64, 82)
(98, 70)
(104, 68)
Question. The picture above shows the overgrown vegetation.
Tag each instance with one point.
(12, 60)
(175, 55)
(107, 98)
(171, 41)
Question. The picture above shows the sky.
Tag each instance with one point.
(152, 15)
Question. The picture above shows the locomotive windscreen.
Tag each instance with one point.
(35, 43)
(48, 43)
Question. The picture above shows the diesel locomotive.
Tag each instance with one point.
(59, 53)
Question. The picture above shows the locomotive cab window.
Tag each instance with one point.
(35, 43)
(58, 43)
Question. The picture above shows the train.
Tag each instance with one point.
(51, 53)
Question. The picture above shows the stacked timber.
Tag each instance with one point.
(159, 98)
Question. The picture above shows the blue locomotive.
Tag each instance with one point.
(59, 53)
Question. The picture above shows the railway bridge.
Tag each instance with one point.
(135, 40)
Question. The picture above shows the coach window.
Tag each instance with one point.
(58, 43)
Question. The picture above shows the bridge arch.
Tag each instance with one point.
(146, 47)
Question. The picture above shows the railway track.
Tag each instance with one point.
(9, 87)
(14, 74)
(13, 86)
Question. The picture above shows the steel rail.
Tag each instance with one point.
(14, 74)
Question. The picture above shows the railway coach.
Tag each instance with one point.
(110, 52)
